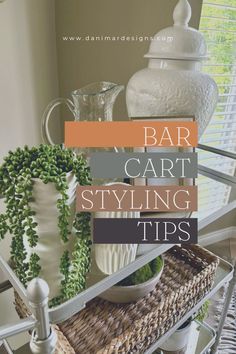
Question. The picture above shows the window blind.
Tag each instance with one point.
(218, 25)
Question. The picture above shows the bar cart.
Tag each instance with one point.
(43, 338)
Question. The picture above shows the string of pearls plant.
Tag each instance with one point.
(50, 164)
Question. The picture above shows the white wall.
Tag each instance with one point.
(28, 69)
(28, 81)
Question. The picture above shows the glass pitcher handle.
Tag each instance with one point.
(46, 116)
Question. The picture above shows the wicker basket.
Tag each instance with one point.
(106, 328)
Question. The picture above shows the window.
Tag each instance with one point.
(218, 25)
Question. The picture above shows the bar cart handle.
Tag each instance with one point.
(43, 338)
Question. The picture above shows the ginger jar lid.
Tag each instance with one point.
(180, 41)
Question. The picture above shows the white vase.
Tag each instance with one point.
(172, 84)
(50, 247)
(112, 257)
(178, 340)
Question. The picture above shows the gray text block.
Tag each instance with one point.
(143, 165)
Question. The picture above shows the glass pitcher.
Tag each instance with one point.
(93, 102)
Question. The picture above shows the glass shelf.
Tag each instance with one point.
(206, 337)
(201, 338)
(97, 286)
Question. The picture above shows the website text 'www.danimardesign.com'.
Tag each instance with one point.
(110, 38)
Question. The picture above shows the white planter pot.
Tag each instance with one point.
(112, 257)
(178, 340)
(50, 247)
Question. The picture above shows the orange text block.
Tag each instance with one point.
(131, 134)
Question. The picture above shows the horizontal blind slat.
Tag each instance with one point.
(223, 122)
(223, 19)
(225, 104)
(218, 140)
(217, 131)
(217, 65)
(224, 75)
(217, 30)
(226, 85)
(225, 7)
(227, 95)
(226, 113)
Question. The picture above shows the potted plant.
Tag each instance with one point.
(178, 341)
(137, 284)
(47, 238)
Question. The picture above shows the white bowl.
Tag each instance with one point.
(125, 294)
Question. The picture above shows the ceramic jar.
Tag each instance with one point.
(173, 84)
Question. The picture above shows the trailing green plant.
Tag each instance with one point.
(200, 315)
(202, 312)
(143, 274)
(17, 173)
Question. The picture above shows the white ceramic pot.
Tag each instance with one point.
(178, 340)
(50, 247)
(112, 257)
(172, 84)
(127, 294)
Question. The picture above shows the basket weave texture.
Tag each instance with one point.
(106, 328)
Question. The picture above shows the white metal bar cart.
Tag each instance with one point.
(43, 339)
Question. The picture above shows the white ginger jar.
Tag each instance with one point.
(173, 84)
